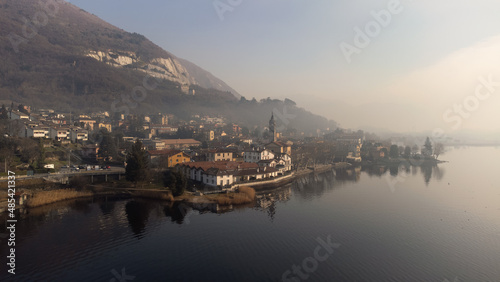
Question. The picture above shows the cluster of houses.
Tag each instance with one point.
(47, 124)
(222, 164)
(349, 146)
(67, 128)
(225, 168)
(229, 165)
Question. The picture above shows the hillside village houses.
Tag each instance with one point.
(87, 123)
(224, 164)
(208, 150)
(18, 115)
(106, 126)
(213, 152)
(181, 143)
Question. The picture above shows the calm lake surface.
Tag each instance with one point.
(418, 224)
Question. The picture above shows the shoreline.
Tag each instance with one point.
(160, 194)
(193, 199)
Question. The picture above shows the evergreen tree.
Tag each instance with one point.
(427, 150)
(41, 156)
(137, 163)
(176, 181)
(181, 181)
(107, 148)
(394, 151)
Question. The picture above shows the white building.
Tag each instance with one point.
(59, 133)
(34, 131)
(78, 134)
(225, 173)
(155, 145)
(18, 115)
(37, 132)
(284, 162)
(256, 156)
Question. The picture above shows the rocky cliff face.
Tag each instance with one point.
(165, 68)
(76, 54)
(116, 59)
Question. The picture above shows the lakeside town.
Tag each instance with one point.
(162, 151)
(249, 140)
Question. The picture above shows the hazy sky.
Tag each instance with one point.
(416, 65)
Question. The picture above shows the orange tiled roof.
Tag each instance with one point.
(180, 141)
(166, 152)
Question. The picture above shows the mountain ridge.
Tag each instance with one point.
(78, 62)
(84, 34)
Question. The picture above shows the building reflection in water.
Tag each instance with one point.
(305, 188)
(138, 211)
(266, 200)
(352, 174)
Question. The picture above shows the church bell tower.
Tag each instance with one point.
(272, 128)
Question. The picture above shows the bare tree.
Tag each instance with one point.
(438, 149)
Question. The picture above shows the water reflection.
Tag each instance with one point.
(438, 172)
(394, 170)
(107, 207)
(137, 215)
(176, 211)
(352, 174)
(138, 211)
(407, 236)
(428, 171)
(315, 185)
(266, 200)
(81, 206)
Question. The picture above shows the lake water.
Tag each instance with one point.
(418, 224)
